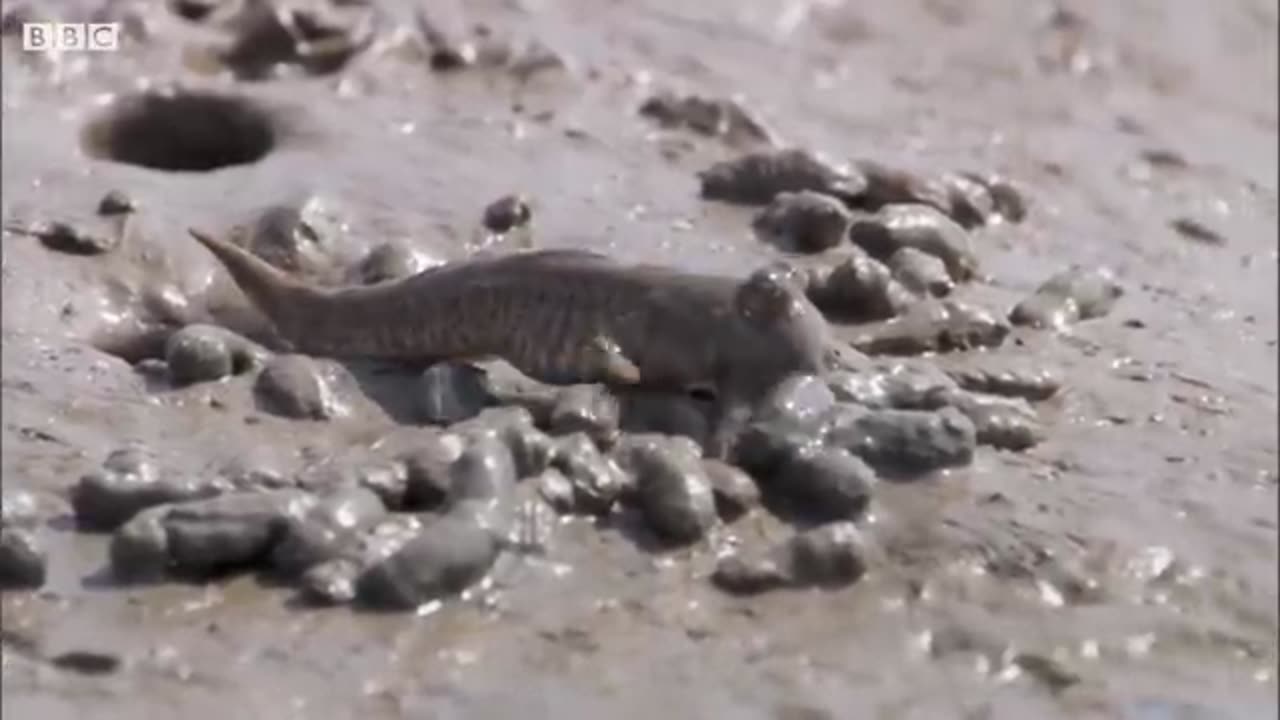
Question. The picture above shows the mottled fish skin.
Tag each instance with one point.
(559, 316)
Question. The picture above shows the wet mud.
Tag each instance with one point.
(939, 379)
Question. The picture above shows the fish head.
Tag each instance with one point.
(784, 332)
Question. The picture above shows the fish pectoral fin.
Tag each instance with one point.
(610, 363)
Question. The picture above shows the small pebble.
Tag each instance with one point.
(116, 202)
(507, 213)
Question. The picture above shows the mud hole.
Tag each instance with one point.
(1036, 476)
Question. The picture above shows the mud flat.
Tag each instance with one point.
(1034, 473)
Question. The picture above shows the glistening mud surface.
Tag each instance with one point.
(1123, 567)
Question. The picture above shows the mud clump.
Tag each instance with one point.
(23, 557)
(859, 288)
(711, 117)
(481, 485)
(824, 483)
(1007, 424)
(674, 492)
(202, 353)
(320, 39)
(757, 178)
(1068, 297)
(829, 556)
(202, 538)
(129, 481)
(968, 198)
(445, 557)
(921, 273)
(735, 492)
(70, 238)
(590, 409)
(905, 441)
(933, 326)
(797, 399)
(922, 228)
(805, 221)
(1017, 379)
(899, 386)
(301, 388)
(598, 482)
(426, 468)
(325, 530)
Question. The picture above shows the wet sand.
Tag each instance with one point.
(1125, 567)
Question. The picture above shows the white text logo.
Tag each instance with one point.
(58, 37)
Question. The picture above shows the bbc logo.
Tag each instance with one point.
(96, 37)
